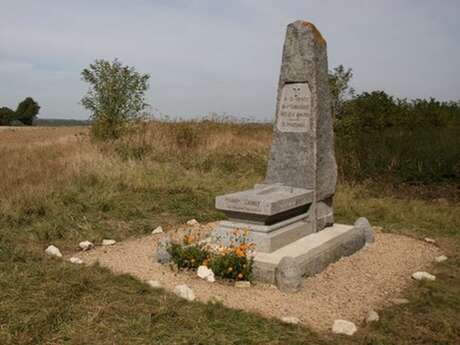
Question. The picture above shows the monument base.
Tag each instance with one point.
(267, 238)
(312, 253)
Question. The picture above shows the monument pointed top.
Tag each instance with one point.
(312, 28)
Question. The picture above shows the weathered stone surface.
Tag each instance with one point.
(53, 251)
(423, 276)
(268, 200)
(76, 260)
(108, 242)
(313, 252)
(291, 319)
(430, 240)
(154, 284)
(372, 316)
(363, 223)
(86, 245)
(162, 255)
(206, 273)
(243, 284)
(302, 153)
(157, 230)
(288, 275)
(440, 258)
(400, 301)
(183, 291)
(265, 238)
(193, 222)
(344, 327)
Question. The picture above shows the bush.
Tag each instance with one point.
(232, 266)
(115, 97)
(233, 262)
(188, 256)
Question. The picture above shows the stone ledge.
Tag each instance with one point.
(313, 253)
(273, 238)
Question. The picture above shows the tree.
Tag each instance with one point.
(115, 97)
(339, 80)
(27, 111)
(6, 116)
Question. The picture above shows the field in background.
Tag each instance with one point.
(57, 187)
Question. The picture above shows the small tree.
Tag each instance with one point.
(115, 97)
(339, 83)
(27, 111)
(6, 116)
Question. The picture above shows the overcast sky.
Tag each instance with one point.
(222, 56)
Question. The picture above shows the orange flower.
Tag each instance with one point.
(239, 252)
(240, 276)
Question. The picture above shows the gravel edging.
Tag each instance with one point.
(347, 289)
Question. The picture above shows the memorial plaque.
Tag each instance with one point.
(294, 113)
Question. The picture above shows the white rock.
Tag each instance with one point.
(243, 284)
(206, 274)
(290, 319)
(440, 258)
(86, 245)
(158, 230)
(183, 291)
(344, 327)
(400, 301)
(193, 222)
(76, 260)
(53, 251)
(429, 240)
(108, 242)
(155, 284)
(372, 316)
(423, 276)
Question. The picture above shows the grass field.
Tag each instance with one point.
(57, 187)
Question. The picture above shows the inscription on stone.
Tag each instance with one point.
(243, 205)
(294, 114)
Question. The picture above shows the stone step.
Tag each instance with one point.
(266, 238)
(313, 253)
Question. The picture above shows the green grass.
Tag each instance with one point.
(49, 301)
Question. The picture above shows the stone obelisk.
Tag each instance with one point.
(302, 154)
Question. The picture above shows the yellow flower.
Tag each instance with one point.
(230, 269)
(240, 276)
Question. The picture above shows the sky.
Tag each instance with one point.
(215, 56)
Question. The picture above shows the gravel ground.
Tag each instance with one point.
(347, 289)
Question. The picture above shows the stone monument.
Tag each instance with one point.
(291, 214)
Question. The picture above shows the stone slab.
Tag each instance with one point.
(267, 200)
(312, 253)
(268, 241)
(254, 227)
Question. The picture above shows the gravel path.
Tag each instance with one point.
(347, 289)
